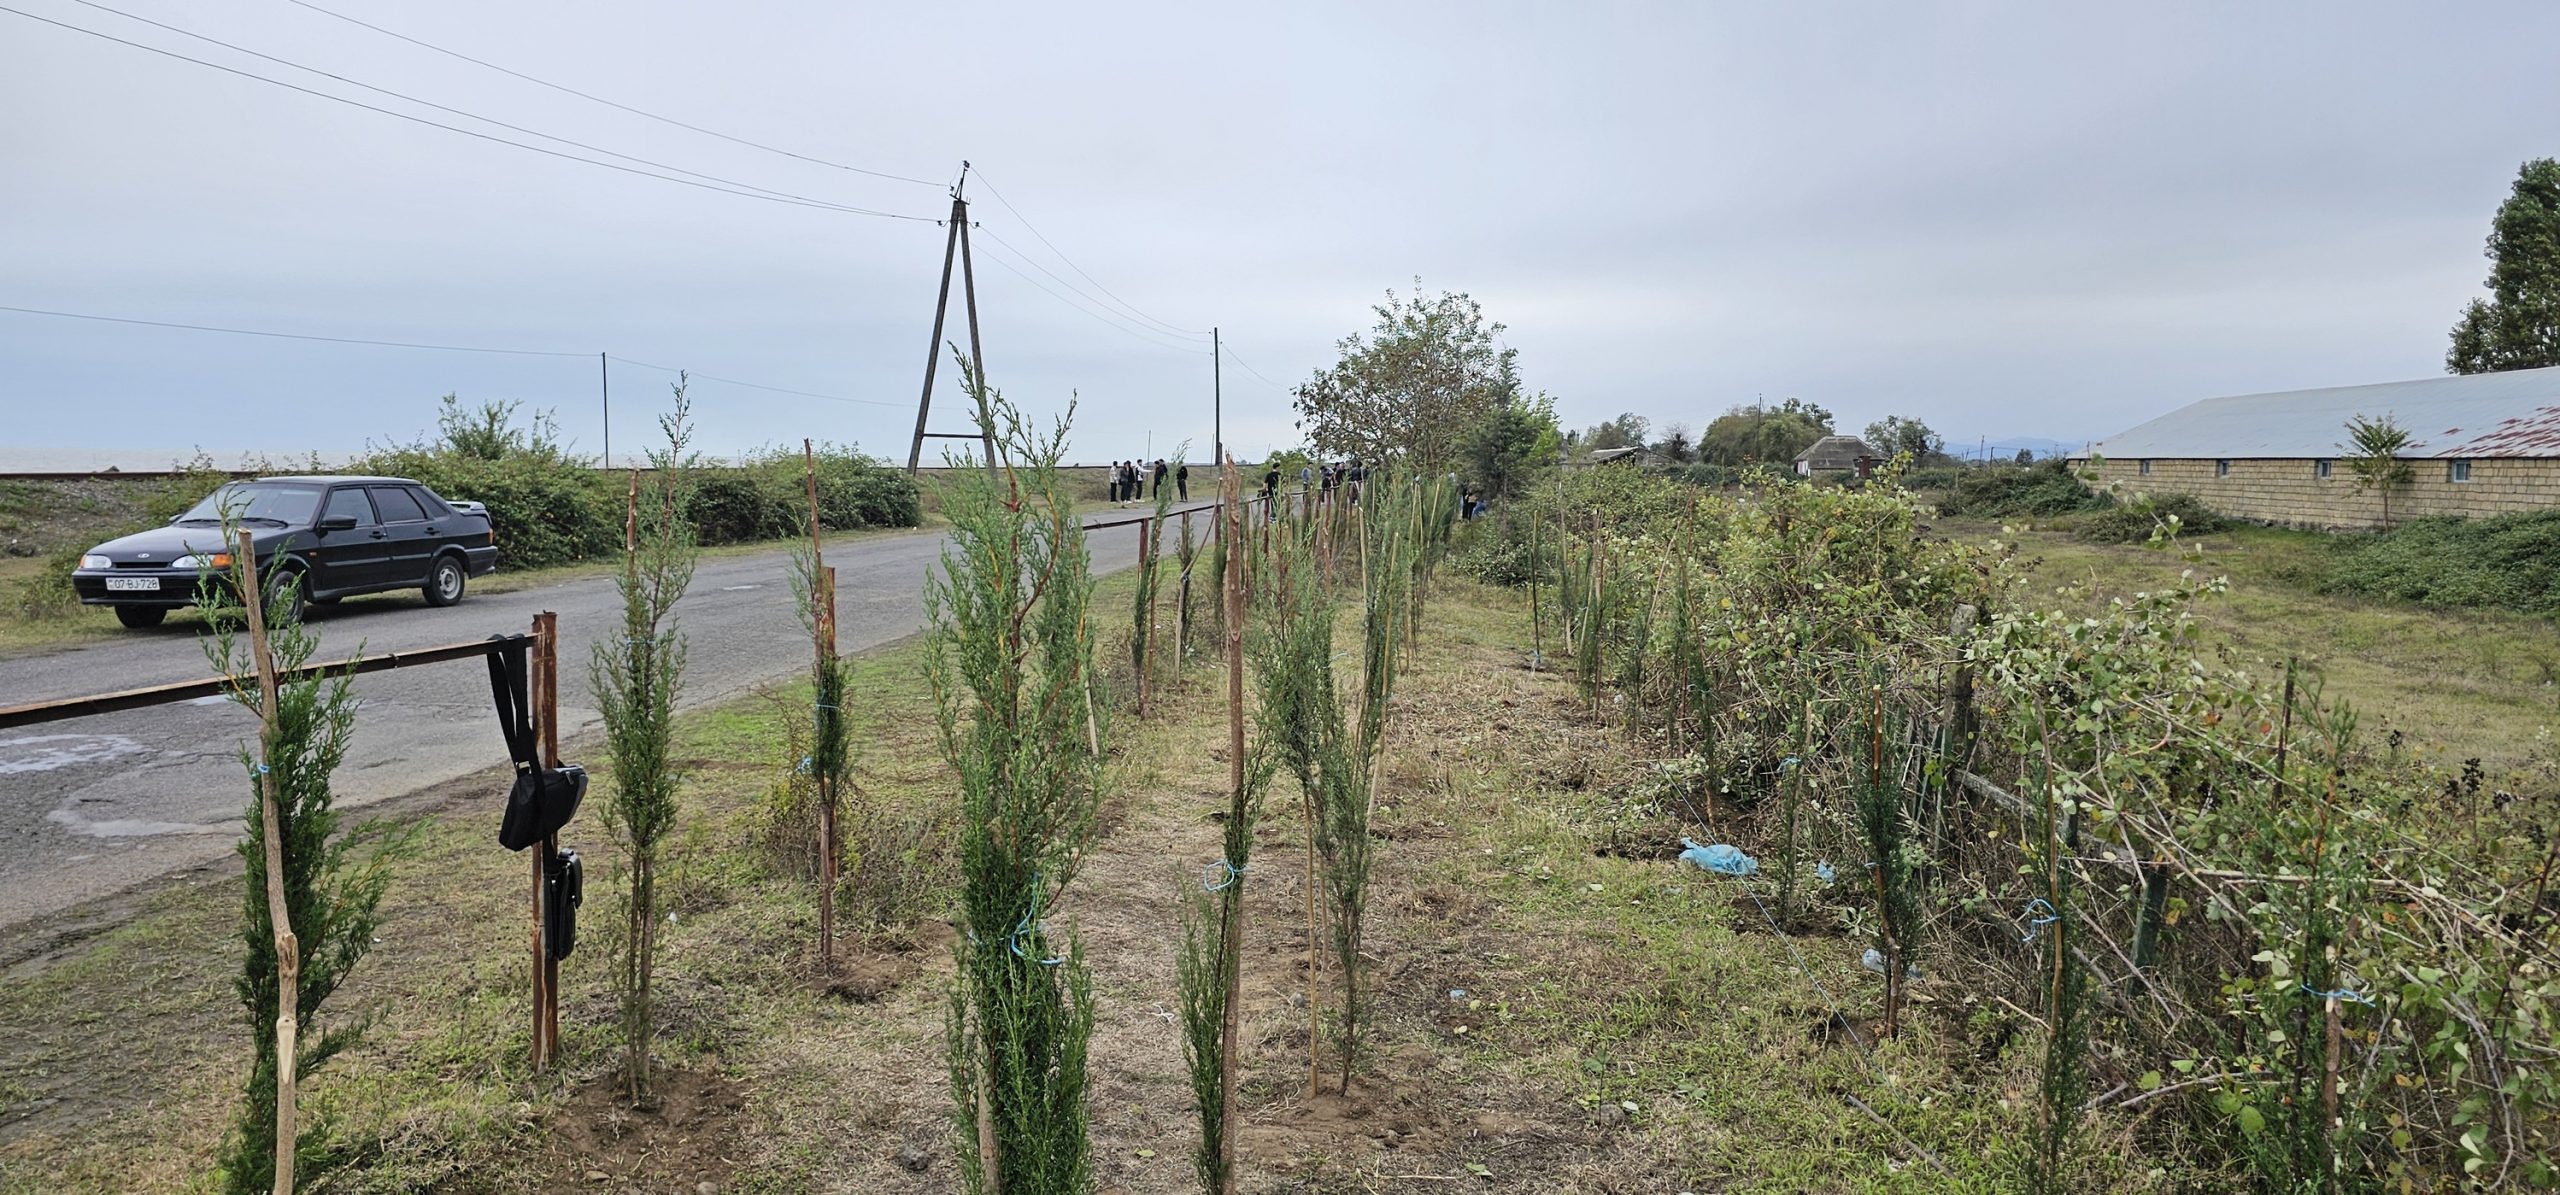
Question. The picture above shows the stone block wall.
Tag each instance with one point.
(2288, 491)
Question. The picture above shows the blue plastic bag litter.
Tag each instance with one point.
(1873, 960)
(1722, 858)
(1823, 872)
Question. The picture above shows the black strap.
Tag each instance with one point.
(507, 684)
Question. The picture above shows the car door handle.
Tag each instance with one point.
(381, 535)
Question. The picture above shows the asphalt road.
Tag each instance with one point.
(93, 806)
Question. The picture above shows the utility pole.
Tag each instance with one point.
(955, 247)
(1217, 398)
(604, 375)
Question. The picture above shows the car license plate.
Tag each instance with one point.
(134, 584)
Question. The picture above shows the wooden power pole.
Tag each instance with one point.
(955, 248)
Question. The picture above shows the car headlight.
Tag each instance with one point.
(218, 560)
(93, 560)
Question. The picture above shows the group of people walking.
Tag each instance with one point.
(1129, 479)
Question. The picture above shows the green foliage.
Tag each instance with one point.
(333, 883)
(1626, 431)
(1412, 386)
(1010, 659)
(733, 509)
(2501, 562)
(2151, 517)
(1142, 630)
(2518, 326)
(2373, 453)
(1507, 451)
(2040, 491)
(1756, 433)
(546, 506)
(1897, 435)
(635, 677)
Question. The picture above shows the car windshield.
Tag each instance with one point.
(282, 503)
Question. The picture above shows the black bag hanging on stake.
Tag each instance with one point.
(564, 888)
(543, 799)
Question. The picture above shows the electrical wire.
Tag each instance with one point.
(706, 377)
(467, 115)
(1120, 326)
(567, 90)
(1230, 352)
(443, 348)
(1097, 306)
(390, 344)
(984, 181)
(819, 204)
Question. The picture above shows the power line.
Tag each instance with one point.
(444, 348)
(705, 377)
(441, 107)
(771, 198)
(1097, 310)
(613, 104)
(391, 344)
(1062, 256)
(1117, 326)
(1231, 356)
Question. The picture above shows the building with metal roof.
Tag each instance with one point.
(2479, 444)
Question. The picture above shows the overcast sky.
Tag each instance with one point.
(2007, 219)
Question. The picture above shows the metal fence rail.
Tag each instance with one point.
(36, 712)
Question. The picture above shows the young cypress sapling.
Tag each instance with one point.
(635, 677)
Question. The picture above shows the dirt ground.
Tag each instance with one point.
(1557, 1004)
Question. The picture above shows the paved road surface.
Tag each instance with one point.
(92, 806)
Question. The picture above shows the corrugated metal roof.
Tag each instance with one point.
(2511, 414)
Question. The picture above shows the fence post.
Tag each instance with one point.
(546, 715)
(2146, 925)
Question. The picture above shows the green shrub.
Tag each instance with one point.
(731, 508)
(2037, 491)
(2504, 562)
(546, 506)
(2134, 521)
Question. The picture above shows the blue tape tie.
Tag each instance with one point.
(1824, 872)
(1790, 762)
(2037, 921)
(1219, 876)
(258, 769)
(2348, 994)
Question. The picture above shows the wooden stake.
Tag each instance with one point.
(1146, 613)
(822, 623)
(546, 713)
(279, 919)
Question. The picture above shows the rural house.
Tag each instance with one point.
(2480, 444)
(1838, 454)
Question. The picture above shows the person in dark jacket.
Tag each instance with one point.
(1161, 470)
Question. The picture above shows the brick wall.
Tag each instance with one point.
(2287, 491)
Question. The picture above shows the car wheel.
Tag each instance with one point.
(139, 617)
(287, 598)
(445, 582)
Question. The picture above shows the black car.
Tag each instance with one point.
(335, 536)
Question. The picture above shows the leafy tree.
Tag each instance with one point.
(1409, 387)
(489, 433)
(1676, 445)
(2373, 456)
(1758, 432)
(2026, 456)
(1625, 431)
(1503, 450)
(1894, 435)
(2518, 326)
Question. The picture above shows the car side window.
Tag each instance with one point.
(397, 506)
(427, 500)
(349, 503)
